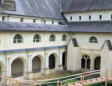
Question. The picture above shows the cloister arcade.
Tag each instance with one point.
(86, 62)
(52, 61)
(17, 68)
(36, 64)
(25, 65)
(64, 60)
(21, 66)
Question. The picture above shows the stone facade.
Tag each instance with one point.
(85, 54)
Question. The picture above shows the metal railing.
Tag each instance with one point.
(81, 78)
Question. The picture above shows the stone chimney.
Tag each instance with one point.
(9, 5)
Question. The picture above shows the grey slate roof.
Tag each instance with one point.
(13, 26)
(97, 27)
(38, 8)
(94, 26)
(85, 5)
(31, 49)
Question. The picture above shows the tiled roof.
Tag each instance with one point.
(97, 27)
(85, 5)
(37, 8)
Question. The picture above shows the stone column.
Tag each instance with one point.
(46, 61)
(8, 69)
(85, 63)
(60, 61)
(92, 63)
(8, 66)
(26, 70)
(29, 66)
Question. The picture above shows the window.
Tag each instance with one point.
(79, 17)
(89, 17)
(3, 18)
(34, 20)
(93, 40)
(17, 39)
(52, 22)
(70, 17)
(100, 17)
(85, 62)
(0, 2)
(36, 38)
(21, 19)
(52, 38)
(111, 16)
(44, 21)
(64, 38)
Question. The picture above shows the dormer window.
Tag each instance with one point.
(9, 5)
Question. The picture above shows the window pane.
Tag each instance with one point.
(17, 39)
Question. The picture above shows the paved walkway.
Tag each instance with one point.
(88, 82)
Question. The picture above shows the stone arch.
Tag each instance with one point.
(64, 60)
(52, 61)
(85, 62)
(37, 64)
(21, 58)
(97, 63)
(17, 67)
(88, 63)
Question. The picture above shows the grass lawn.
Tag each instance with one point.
(64, 74)
(70, 81)
(101, 84)
(65, 82)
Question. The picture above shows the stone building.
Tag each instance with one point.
(43, 36)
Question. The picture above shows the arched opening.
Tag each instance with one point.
(64, 61)
(17, 39)
(85, 62)
(88, 63)
(52, 38)
(93, 40)
(97, 63)
(64, 38)
(52, 61)
(36, 65)
(36, 38)
(17, 68)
